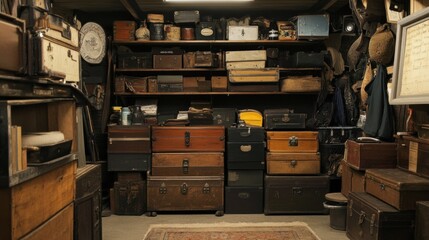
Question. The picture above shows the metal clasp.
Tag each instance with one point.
(293, 163)
(206, 188)
(185, 166)
(163, 189)
(293, 141)
(187, 138)
(184, 188)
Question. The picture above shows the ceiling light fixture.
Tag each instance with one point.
(202, 1)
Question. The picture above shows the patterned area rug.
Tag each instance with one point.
(231, 231)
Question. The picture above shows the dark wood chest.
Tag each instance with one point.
(363, 155)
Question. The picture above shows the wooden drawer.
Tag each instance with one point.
(33, 202)
(59, 226)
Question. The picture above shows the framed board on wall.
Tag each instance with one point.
(410, 82)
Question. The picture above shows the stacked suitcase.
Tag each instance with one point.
(53, 46)
(129, 154)
(187, 171)
(394, 200)
(245, 167)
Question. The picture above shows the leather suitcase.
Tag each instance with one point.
(422, 220)
(124, 30)
(194, 193)
(253, 87)
(188, 139)
(186, 16)
(129, 59)
(244, 200)
(352, 180)
(130, 198)
(396, 187)
(128, 162)
(87, 206)
(363, 155)
(245, 151)
(413, 155)
(245, 178)
(368, 218)
(224, 116)
(292, 163)
(187, 164)
(292, 141)
(129, 139)
(295, 194)
(283, 119)
(54, 59)
(246, 134)
(13, 45)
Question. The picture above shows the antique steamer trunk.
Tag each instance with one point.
(56, 27)
(396, 187)
(246, 134)
(295, 194)
(188, 139)
(413, 155)
(130, 197)
(368, 218)
(171, 193)
(88, 203)
(188, 164)
(245, 151)
(292, 141)
(129, 139)
(12, 44)
(124, 30)
(128, 161)
(293, 163)
(244, 177)
(422, 220)
(283, 119)
(244, 200)
(363, 155)
(352, 180)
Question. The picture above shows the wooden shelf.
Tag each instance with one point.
(216, 42)
(201, 69)
(209, 93)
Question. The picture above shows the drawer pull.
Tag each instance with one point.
(246, 148)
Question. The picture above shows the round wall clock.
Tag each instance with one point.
(92, 43)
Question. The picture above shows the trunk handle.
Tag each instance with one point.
(362, 216)
(372, 224)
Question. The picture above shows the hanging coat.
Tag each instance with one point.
(379, 118)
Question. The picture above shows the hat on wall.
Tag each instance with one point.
(382, 45)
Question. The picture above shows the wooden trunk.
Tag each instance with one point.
(363, 155)
(352, 180)
(129, 139)
(167, 61)
(422, 220)
(130, 197)
(283, 119)
(295, 194)
(300, 84)
(293, 163)
(244, 200)
(413, 155)
(396, 187)
(188, 139)
(368, 218)
(30, 204)
(187, 164)
(185, 193)
(292, 141)
(87, 208)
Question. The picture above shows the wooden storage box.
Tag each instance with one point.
(352, 180)
(295, 194)
(193, 193)
(188, 139)
(292, 141)
(187, 164)
(293, 163)
(244, 200)
(300, 84)
(190, 84)
(242, 56)
(129, 139)
(219, 83)
(124, 30)
(370, 218)
(130, 84)
(396, 187)
(413, 155)
(243, 32)
(167, 61)
(253, 75)
(245, 65)
(363, 155)
(422, 220)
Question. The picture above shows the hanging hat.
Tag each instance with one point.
(337, 63)
(353, 54)
(382, 45)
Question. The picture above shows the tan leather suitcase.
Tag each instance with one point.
(363, 155)
(292, 141)
(352, 180)
(396, 187)
(188, 139)
(293, 163)
(187, 164)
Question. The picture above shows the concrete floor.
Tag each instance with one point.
(134, 227)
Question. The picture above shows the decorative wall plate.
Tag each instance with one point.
(92, 43)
